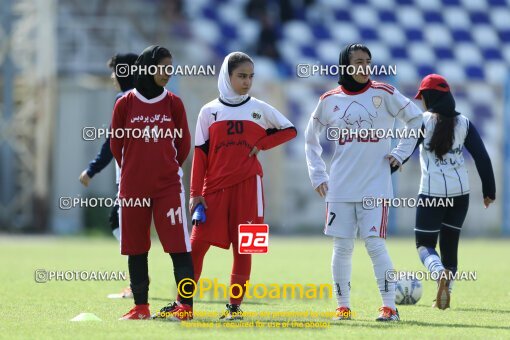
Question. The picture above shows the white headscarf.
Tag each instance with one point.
(227, 93)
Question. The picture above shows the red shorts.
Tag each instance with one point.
(169, 219)
(227, 208)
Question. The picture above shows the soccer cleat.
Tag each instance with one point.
(388, 314)
(342, 313)
(443, 291)
(232, 313)
(175, 311)
(182, 312)
(166, 311)
(138, 312)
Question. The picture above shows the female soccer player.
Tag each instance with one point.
(103, 158)
(443, 174)
(359, 169)
(226, 174)
(151, 168)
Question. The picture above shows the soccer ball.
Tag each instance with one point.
(408, 291)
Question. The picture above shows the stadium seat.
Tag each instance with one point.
(422, 36)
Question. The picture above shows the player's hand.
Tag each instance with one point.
(254, 151)
(84, 178)
(394, 162)
(487, 201)
(322, 189)
(194, 201)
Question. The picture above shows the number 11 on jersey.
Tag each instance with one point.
(172, 213)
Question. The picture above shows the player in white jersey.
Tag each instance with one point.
(360, 168)
(444, 175)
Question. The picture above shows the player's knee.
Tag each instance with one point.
(343, 246)
(375, 246)
(182, 259)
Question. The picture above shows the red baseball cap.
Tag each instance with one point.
(433, 82)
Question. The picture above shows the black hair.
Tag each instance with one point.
(359, 47)
(112, 62)
(127, 82)
(237, 59)
(442, 104)
(442, 139)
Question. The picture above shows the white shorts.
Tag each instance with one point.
(344, 219)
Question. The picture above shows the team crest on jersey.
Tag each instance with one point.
(377, 101)
(256, 115)
(357, 116)
(336, 108)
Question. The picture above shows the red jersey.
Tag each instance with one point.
(224, 137)
(150, 141)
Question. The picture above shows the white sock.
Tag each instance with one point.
(116, 233)
(376, 248)
(433, 264)
(431, 260)
(450, 287)
(341, 267)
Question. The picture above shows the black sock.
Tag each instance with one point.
(139, 277)
(449, 244)
(183, 269)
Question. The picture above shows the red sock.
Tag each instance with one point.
(198, 251)
(241, 270)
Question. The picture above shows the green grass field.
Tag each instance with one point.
(480, 308)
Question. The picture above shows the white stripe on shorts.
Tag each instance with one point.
(427, 231)
(451, 226)
(184, 218)
(260, 203)
(119, 212)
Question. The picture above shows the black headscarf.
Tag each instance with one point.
(144, 82)
(128, 82)
(346, 80)
(440, 102)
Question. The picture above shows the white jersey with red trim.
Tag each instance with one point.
(359, 167)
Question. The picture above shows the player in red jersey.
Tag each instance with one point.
(226, 174)
(150, 166)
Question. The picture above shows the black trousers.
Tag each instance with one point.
(443, 223)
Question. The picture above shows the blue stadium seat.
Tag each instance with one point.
(504, 36)
(414, 34)
(444, 53)
(424, 70)
(479, 18)
(492, 54)
(309, 52)
(461, 35)
(368, 33)
(320, 32)
(474, 72)
(387, 16)
(342, 15)
(432, 16)
(399, 52)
